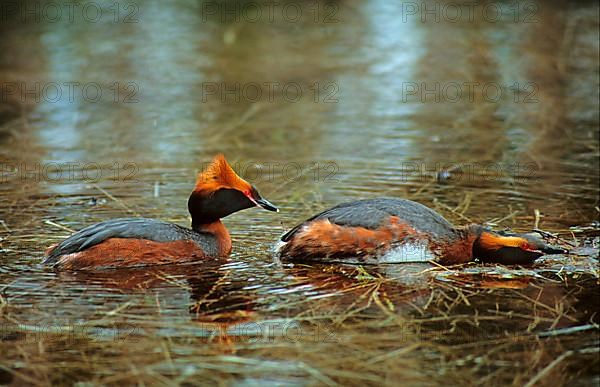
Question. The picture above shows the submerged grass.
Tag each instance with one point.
(267, 323)
(253, 322)
(341, 326)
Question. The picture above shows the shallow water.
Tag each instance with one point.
(491, 119)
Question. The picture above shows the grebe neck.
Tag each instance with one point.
(219, 231)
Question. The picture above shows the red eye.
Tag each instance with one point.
(525, 246)
(247, 192)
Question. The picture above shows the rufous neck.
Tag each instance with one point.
(222, 237)
(486, 241)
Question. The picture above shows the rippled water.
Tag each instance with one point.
(489, 118)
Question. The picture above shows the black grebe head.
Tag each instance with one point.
(219, 192)
(510, 248)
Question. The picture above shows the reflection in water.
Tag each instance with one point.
(217, 300)
(179, 84)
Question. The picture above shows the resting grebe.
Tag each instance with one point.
(130, 242)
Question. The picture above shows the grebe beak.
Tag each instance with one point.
(553, 250)
(264, 203)
(255, 198)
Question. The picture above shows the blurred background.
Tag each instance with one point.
(315, 100)
(487, 112)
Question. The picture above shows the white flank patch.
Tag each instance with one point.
(409, 252)
(278, 246)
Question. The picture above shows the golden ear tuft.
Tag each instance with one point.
(491, 241)
(219, 174)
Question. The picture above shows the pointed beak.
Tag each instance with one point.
(264, 203)
(255, 198)
(553, 250)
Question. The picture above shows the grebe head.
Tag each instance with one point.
(219, 192)
(510, 248)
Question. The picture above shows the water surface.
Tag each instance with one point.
(486, 119)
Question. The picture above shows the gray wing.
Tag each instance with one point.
(373, 213)
(141, 228)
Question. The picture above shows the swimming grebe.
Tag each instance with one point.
(389, 230)
(130, 242)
